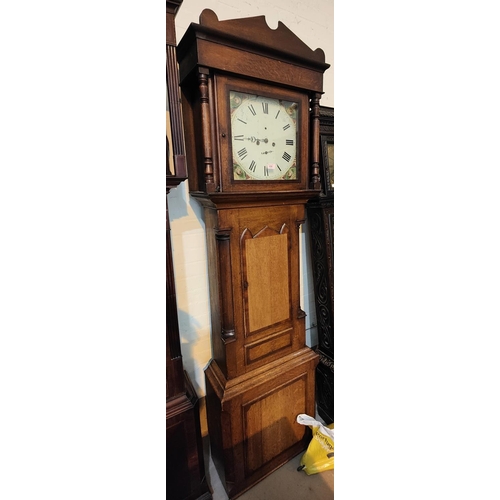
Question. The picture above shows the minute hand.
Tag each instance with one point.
(258, 141)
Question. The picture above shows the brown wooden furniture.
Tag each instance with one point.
(320, 217)
(252, 149)
(185, 465)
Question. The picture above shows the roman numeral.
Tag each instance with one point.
(265, 107)
(252, 166)
(266, 170)
(278, 167)
(286, 156)
(277, 114)
(252, 110)
(242, 153)
(289, 142)
(287, 126)
(238, 137)
(240, 120)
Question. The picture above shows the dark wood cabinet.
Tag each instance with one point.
(185, 465)
(320, 217)
(250, 98)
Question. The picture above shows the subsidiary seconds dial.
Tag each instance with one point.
(263, 137)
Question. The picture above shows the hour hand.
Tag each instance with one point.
(258, 141)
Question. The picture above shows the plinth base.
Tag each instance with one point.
(252, 418)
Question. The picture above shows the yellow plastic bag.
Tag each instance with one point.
(319, 454)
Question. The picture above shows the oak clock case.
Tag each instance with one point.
(252, 151)
(184, 461)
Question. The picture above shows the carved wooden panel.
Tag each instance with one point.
(320, 214)
(321, 221)
(324, 385)
(321, 233)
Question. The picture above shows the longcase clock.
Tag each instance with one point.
(320, 217)
(185, 466)
(250, 100)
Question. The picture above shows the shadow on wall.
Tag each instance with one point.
(182, 205)
(191, 278)
(195, 348)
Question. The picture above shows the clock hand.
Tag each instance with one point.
(258, 141)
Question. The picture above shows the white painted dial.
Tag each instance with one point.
(263, 137)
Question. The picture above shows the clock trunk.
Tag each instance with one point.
(262, 373)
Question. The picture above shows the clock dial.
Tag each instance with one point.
(263, 137)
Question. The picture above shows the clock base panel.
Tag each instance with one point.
(252, 424)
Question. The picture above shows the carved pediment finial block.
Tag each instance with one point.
(256, 33)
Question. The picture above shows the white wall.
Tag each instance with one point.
(312, 21)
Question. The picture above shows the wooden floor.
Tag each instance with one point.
(285, 483)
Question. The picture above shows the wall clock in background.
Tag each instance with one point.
(250, 101)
